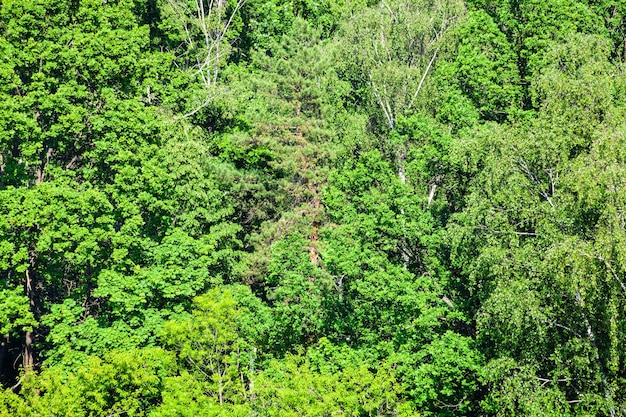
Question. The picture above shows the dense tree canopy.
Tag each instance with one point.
(312, 208)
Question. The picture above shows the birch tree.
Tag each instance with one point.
(204, 45)
(395, 46)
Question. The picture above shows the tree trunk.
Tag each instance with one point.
(592, 340)
(28, 358)
(4, 345)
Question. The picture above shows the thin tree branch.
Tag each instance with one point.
(419, 87)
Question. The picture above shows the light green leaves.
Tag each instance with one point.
(15, 314)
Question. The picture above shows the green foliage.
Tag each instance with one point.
(73, 66)
(312, 208)
(15, 314)
(443, 376)
(532, 27)
(266, 21)
(293, 388)
(483, 69)
(518, 390)
(120, 382)
(299, 292)
(214, 345)
(577, 84)
(535, 264)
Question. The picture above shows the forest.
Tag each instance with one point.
(294, 208)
